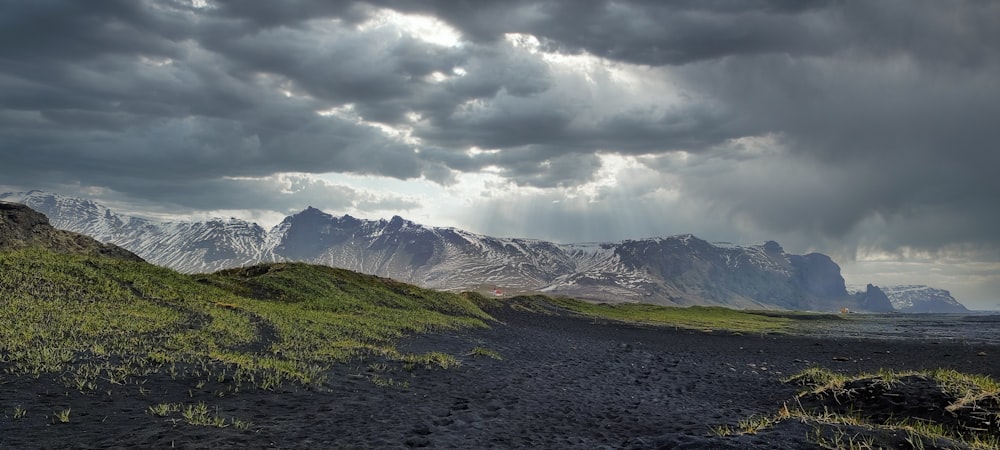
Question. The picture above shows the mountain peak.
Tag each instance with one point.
(309, 212)
(773, 247)
(397, 221)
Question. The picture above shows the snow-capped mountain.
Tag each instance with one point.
(441, 258)
(677, 270)
(923, 299)
(184, 246)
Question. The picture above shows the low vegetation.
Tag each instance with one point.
(92, 322)
(480, 351)
(704, 318)
(917, 409)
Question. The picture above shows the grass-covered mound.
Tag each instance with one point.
(934, 409)
(926, 409)
(90, 321)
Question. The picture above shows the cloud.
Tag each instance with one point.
(649, 32)
(860, 137)
(829, 126)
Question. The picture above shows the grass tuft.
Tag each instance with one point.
(61, 416)
(480, 351)
(941, 409)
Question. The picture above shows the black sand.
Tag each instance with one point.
(564, 382)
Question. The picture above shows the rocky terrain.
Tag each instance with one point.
(22, 227)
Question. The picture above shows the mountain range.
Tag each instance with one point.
(677, 270)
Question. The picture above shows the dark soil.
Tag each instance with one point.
(564, 382)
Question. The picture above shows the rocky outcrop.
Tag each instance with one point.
(818, 275)
(21, 227)
(873, 300)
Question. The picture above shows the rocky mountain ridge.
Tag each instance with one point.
(676, 270)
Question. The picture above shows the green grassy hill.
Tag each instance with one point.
(90, 319)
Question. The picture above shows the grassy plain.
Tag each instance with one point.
(704, 318)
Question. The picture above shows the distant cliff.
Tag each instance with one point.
(923, 299)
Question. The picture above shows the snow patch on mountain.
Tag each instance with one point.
(922, 299)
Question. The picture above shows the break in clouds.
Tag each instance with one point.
(829, 126)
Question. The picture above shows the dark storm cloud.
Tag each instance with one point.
(645, 32)
(285, 193)
(68, 31)
(881, 114)
(195, 148)
(339, 64)
(152, 87)
(900, 134)
(165, 105)
(287, 13)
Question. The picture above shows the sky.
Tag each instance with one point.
(867, 131)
